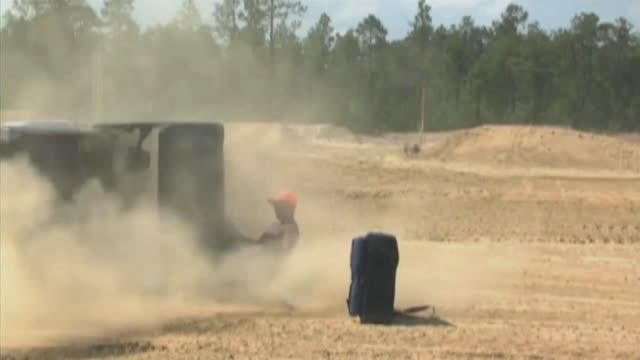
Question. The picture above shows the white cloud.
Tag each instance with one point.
(460, 4)
(348, 12)
(4, 6)
(396, 14)
(634, 15)
(345, 11)
(494, 8)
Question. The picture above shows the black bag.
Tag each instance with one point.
(374, 261)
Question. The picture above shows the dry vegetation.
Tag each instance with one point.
(527, 241)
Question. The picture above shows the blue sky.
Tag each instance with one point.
(396, 14)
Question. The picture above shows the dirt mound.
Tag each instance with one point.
(526, 146)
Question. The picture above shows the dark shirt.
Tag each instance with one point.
(281, 236)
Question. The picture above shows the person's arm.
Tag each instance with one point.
(232, 232)
(275, 232)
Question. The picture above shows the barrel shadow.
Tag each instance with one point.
(413, 317)
(400, 319)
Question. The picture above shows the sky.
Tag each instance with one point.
(396, 14)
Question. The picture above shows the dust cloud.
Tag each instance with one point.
(456, 276)
(89, 267)
(317, 275)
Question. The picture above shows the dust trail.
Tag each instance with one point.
(89, 268)
(70, 270)
(317, 275)
(449, 276)
(456, 276)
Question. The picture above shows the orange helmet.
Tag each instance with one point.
(285, 197)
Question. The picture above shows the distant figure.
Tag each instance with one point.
(282, 235)
(411, 150)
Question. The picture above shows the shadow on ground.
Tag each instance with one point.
(415, 316)
(415, 320)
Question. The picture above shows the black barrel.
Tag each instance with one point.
(191, 177)
(374, 262)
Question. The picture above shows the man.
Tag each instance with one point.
(282, 235)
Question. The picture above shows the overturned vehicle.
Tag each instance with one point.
(180, 165)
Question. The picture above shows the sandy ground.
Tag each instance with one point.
(523, 257)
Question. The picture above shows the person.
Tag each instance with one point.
(283, 234)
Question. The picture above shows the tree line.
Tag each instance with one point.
(63, 58)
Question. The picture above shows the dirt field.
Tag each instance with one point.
(528, 250)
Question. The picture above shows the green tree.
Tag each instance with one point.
(47, 47)
(318, 45)
(253, 16)
(465, 45)
(278, 13)
(582, 70)
(513, 71)
(347, 74)
(372, 35)
(498, 69)
(537, 73)
(118, 16)
(421, 26)
(225, 19)
(189, 17)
